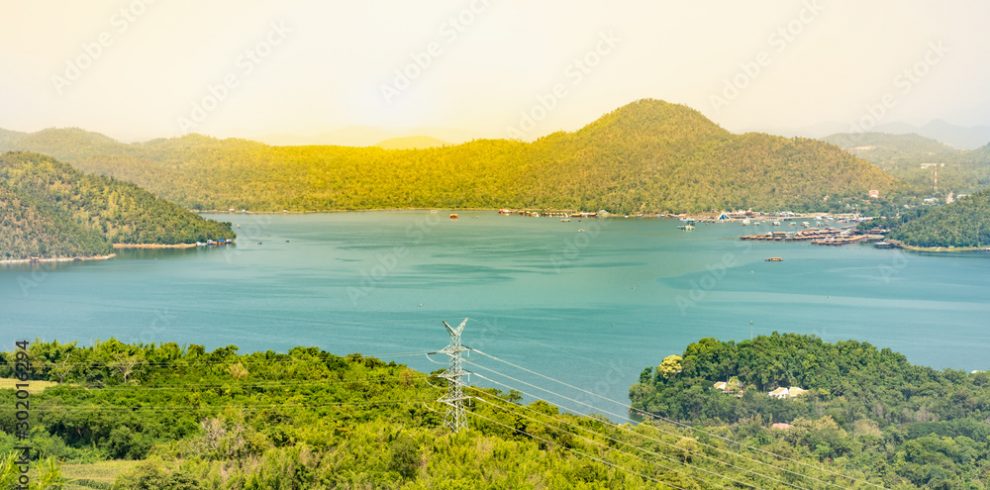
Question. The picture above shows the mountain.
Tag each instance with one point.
(964, 223)
(910, 157)
(963, 137)
(647, 156)
(363, 136)
(410, 143)
(50, 210)
(958, 137)
(8, 138)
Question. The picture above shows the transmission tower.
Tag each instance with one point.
(454, 399)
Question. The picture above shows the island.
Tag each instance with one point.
(50, 212)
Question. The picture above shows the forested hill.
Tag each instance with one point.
(909, 157)
(864, 406)
(964, 223)
(48, 209)
(646, 156)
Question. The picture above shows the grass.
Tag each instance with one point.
(34, 386)
(87, 476)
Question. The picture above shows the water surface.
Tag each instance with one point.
(590, 302)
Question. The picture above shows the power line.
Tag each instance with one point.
(581, 453)
(609, 438)
(686, 426)
(660, 441)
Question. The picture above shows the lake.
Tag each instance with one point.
(590, 302)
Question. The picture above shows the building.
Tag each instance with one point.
(785, 393)
(778, 393)
(874, 194)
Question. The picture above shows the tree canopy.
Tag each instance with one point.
(48, 209)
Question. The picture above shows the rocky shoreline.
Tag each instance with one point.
(120, 246)
(55, 260)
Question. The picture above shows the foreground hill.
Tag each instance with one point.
(866, 407)
(962, 224)
(50, 210)
(910, 157)
(647, 156)
(167, 417)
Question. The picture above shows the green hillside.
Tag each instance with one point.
(171, 417)
(871, 408)
(909, 158)
(646, 156)
(48, 209)
(964, 223)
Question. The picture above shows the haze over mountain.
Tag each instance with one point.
(411, 143)
(647, 156)
(49, 210)
(914, 158)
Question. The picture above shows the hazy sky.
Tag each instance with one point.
(136, 69)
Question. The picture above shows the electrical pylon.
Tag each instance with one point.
(454, 399)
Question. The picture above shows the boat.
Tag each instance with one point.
(565, 220)
(454, 216)
(687, 227)
(747, 221)
(775, 259)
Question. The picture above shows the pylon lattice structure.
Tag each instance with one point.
(454, 399)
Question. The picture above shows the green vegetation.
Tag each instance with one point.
(647, 156)
(48, 209)
(964, 223)
(166, 417)
(865, 408)
(903, 156)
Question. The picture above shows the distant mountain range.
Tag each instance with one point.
(50, 210)
(647, 156)
(958, 137)
(915, 159)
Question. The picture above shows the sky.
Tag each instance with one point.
(140, 69)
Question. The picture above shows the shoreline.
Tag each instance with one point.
(711, 216)
(937, 250)
(56, 260)
(97, 258)
(126, 246)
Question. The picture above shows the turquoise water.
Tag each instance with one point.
(591, 307)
